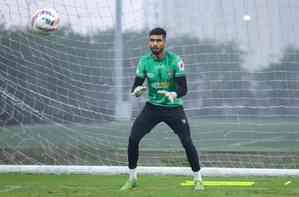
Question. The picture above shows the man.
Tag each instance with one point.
(166, 84)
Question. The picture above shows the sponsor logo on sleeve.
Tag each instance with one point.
(181, 65)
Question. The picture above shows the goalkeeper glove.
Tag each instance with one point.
(170, 95)
(138, 91)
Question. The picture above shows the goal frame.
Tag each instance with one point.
(145, 170)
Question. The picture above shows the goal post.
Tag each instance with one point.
(145, 170)
(60, 93)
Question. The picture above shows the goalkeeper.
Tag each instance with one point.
(166, 84)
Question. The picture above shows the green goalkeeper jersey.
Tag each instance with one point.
(160, 75)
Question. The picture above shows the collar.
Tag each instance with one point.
(156, 59)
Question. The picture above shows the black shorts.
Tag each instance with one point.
(151, 115)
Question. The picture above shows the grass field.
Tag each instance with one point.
(20, 185)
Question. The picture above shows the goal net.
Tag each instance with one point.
(65, 96)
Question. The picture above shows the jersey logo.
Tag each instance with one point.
(150, 75)
(181, 66)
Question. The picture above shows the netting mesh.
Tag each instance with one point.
(65, 96)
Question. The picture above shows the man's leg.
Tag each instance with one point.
(179, 124)
(141, 126)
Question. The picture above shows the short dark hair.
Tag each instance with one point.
(158, 31)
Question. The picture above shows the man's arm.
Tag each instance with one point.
(181, 89)
(138, 89)
(137, 82)
(181, 86)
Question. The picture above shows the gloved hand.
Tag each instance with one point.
(170, 95)
(138, 91)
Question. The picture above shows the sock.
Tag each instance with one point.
(132, 174)
(197, 176)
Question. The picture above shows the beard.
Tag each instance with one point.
(156, 51)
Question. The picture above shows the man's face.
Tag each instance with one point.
(156, 44)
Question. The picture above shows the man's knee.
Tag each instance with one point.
(187, 142)
(133, 140)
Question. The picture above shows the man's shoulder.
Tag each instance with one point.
(171, 53)
(145, 57)
(173, 56)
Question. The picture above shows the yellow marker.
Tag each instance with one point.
(220, 183)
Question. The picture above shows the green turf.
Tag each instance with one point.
(16, 185)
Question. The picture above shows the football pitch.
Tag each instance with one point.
(28, 185)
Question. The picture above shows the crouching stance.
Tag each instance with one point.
(166, 85)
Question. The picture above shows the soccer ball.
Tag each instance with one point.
(45, 21)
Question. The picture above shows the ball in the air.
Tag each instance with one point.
(45, 21)
(246, 18)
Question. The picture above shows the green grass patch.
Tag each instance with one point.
(18, 185)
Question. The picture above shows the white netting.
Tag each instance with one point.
(64, 96)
